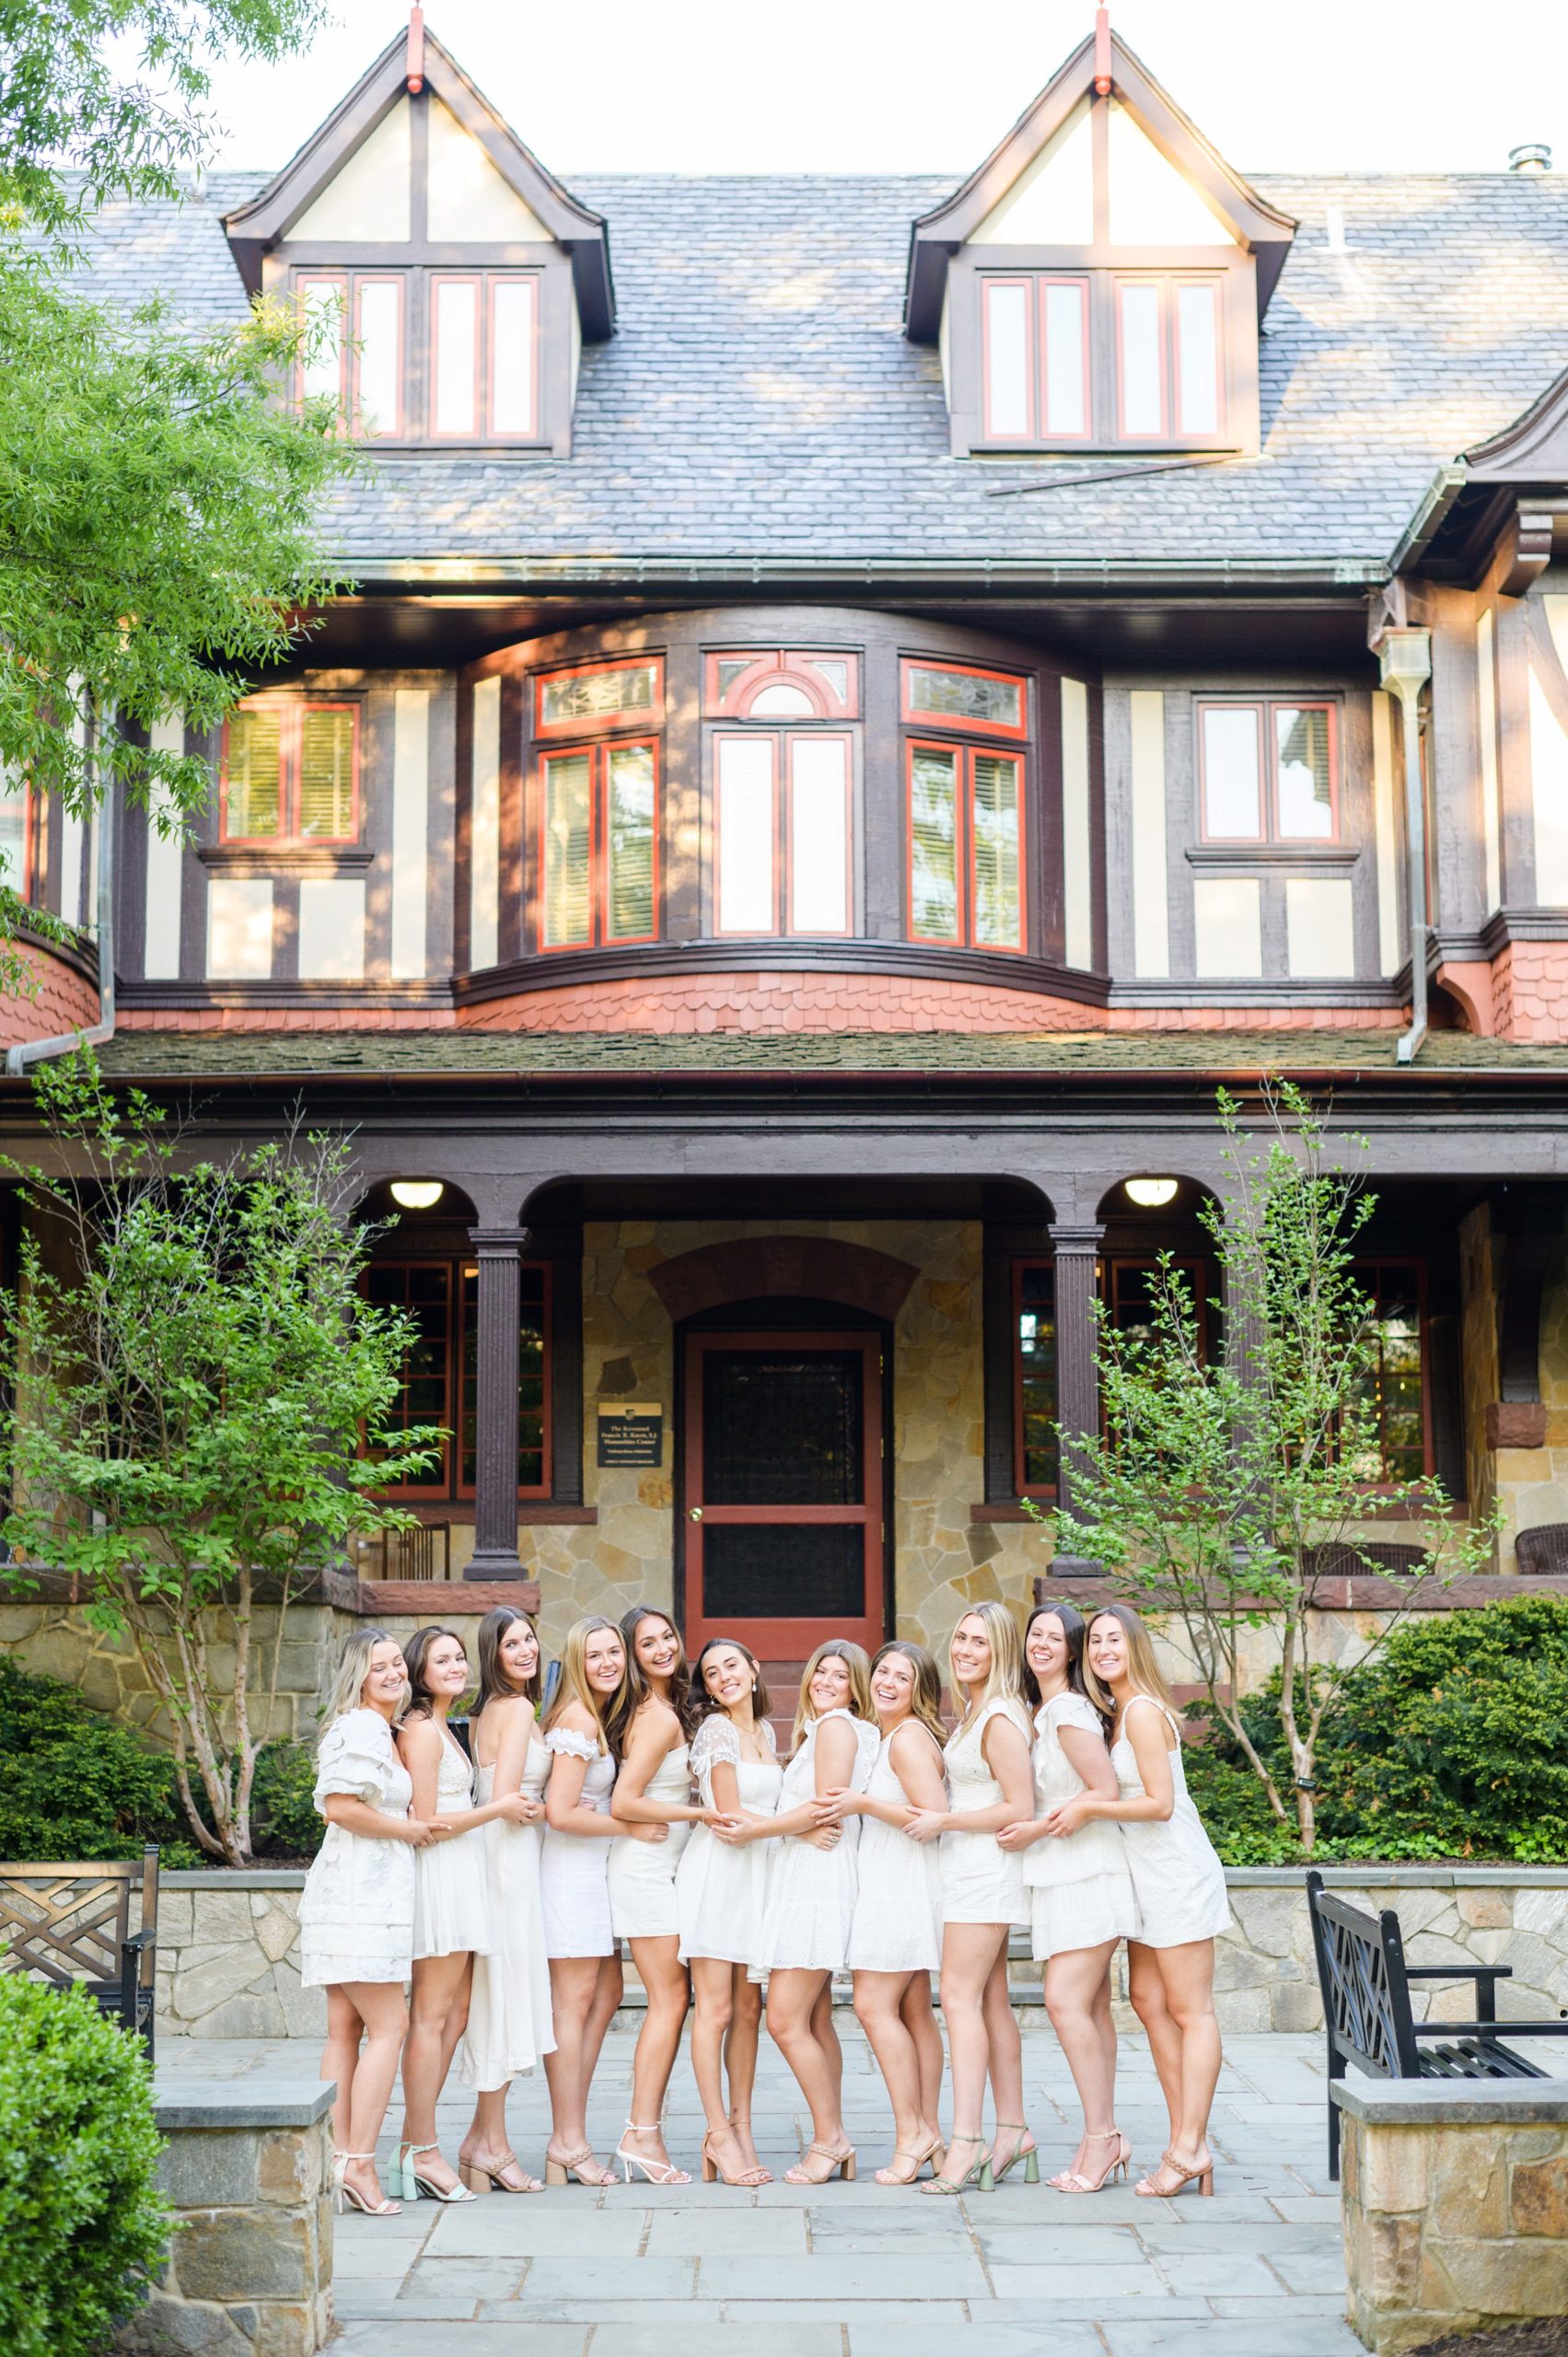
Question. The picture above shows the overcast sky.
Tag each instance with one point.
(880, 85)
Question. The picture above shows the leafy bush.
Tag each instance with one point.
(82, 2223)
(282, 1801)
(75, 1784)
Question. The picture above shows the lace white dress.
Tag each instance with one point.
(810, 1900)
(1177, 1880)
(641, 1873)
(573, 1868)
(720, 1892)
(1080, 1890)
(356, 1909)
(451, 1891)
(981, 1882)
(897, 1923)
(509, 2019)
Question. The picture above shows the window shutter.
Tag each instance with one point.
(326, 775)
(253, 785)
(568, 850)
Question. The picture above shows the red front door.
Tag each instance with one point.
(783, 1491)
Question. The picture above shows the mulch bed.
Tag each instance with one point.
(1548, 2336)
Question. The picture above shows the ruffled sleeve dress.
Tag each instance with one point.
(573, 1868)
(810, 1901)
(897, 1924)
(1080, 1889)
(720, 1891)
(509, 2024)
(1177, 1880)
(356, 1909)
(982, 1882)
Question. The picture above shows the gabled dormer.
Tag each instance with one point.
(1098, 282)
(466, 279)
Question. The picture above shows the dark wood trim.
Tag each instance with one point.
(267, 859)
(352, 998)
(776, 953)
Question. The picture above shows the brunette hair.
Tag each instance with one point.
(926, 1705)
(680, 1696)
(347, 1689)
(1007, 1678)
(414, 1651)
(1076, 1629)
(857, 1662)
(704, 1702)
(608, 1716)
(494, 1684)
(1142, 1668)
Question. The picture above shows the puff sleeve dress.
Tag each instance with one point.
(356, 1909)
(720, 1891)
(1080, 1889)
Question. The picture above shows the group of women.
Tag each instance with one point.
(645, 1804)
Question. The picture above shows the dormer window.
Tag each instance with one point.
(483, 378)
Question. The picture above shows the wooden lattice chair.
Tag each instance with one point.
(1544, 1550)
(1366, 2007)
(63, 1923)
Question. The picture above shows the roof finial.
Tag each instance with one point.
(1102, 51)
(415, 52)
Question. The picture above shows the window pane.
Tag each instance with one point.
(1143, 403)
(781, 700)
(253, 792)
(965, 695)
(512, 355)
(1063, 333)
(1233, 800)
(933, 843)
(326, 775)
(819, 835)
(629, 821)
(1008, 402)
(381, 358)
(568, 849)
(746, 834)
(1037, 1375)
(730, 668)
(423, 1388)
(1197, 360)
(13, 833)
(1305, 791)
(832, 673)
(998, 899)
(455, 331)
(322, 370)
(593, 695)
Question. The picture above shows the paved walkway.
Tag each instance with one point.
(860, 2270)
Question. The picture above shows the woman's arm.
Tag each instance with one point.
(655, 1734)
(563, 1808)
(421, 1743)
(1146, 1732)
(917, 1764)
(373, 1824)
(832, 1763)
(1085, 1753)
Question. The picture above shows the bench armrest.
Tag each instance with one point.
(1458, 1972)
(1499, 2032)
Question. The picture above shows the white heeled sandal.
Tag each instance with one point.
(656, 2172)
(346, 2197)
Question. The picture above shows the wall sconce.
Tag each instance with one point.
(418, 1194)
(1149, 1194)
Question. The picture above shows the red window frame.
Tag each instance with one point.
(962, 724)
(781, 740)
(629, 716)
(449, 1486)
(770, 665)
(1171, 430)
(291, 711)
(484, 429)
(967, 755)
(1264, 709)
(1021, 1270)
(349, 284)
(1038, 430)
(1199, 1282)
(597, 752)
(1368, 1273)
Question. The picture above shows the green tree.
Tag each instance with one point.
(1216, 1484)
(203, 1402)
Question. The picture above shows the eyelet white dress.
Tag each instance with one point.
(356, 1909)
(451, 1891)
(1080, 1890)
(573, 1868)
(980, 1882)
(810, 1900)
(509, 2024)
(897, 1923)
(720, 1892)
(1177, 1880)
(643, 1904)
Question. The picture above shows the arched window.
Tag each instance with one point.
(783, 764)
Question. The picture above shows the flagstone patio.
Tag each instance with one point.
(858, 2271)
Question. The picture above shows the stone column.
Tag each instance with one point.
(500, 1252)
(1076, 1248)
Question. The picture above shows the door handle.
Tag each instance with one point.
(696, 1514)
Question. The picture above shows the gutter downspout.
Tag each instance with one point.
(1405, 660)
(32, 1052)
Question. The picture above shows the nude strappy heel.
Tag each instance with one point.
(1079, 2181)
(842, 2167)
(563, 2172)
(490, 2180)
(1202, 2178)
(713, 2171)
(931, 2152)
(347, 2198)
(656, 2172)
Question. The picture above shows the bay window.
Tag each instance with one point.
(961, 695)
(1268, 772)
(782, 832)
(290, 773)
(966, 845)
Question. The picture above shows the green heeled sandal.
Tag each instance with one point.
(990, 2179)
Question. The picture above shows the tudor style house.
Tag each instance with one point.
(862, 702)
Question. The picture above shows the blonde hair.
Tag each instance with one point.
(926, 1699)
(347, 1689)
(604, 1710)
(1143, 1671)
(856, 1660)
(1007, 1678)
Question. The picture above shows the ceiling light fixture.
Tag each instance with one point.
(1150, 1193)
(418, 1194)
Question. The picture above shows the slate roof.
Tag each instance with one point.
(760, 409)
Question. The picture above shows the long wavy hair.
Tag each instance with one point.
(680, 1696)
(855, 1661)
(1142, 1666)
(494, 1684)
(347, 1689)
(414, 1654)
(1076, 1629)
(927, 1697)
(762, 1701)
(1007, 1678)
(608, 1711)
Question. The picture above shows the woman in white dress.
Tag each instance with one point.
(811, 1900)
(510, 2023)
(1177, 1883)
(720, 1892)
(585, 1969)
(451, 1902)
(1080, 1890)
(356, 1909)
(895, 1934)
(983, 1897)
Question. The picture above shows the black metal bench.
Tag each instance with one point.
(65, 1924)
(1366, 2007)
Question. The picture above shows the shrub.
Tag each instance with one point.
(282, 1798)
(75, 1784)
(82, 2223)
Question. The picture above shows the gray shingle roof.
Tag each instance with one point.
(760, 405)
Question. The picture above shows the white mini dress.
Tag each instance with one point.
(451, 1887)
(720, 1892)
(641, 1873)
(509, 2024)
(1177, 1880)
(356, 1909)
(897, 1923)
(810, 1901)
(573, 1868)
(1080, 1890)
(980, 1882)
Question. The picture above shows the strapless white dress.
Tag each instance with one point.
(451, 1895)
(1080, 1890)
(573, 1868)
(1177, 1880)
(720, 1892)
(810, 1900)
(897, 1923)
(641, 1873)
(981, 1882)
(509, 2019)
